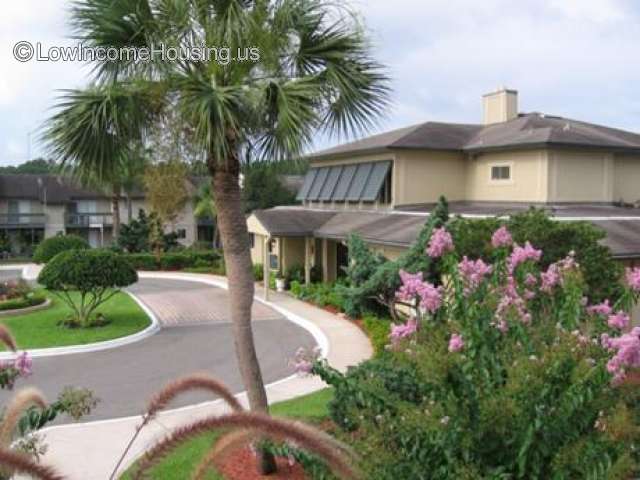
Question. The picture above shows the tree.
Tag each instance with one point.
(204, 207)
(263, 188)
(85, 279)
(50, 247)
(31, 167)
(166, 189)
(299, 66)
(96, 131)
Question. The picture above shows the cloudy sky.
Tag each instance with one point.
(577, 58)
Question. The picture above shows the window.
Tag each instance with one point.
(182, 233)
(501, 172)
(252, 240)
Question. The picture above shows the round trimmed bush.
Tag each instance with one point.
(50, 247)
(96, 275)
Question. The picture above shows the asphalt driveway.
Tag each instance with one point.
(196, 336)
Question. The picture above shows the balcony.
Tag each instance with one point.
(89, 220)
(22, 220)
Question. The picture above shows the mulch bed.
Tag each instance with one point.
(241, 465)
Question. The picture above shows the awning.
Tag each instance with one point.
(354, 182)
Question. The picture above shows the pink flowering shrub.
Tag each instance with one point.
(501, 369)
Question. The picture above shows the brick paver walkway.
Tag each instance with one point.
(184, 305)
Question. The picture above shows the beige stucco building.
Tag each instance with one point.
(383, 187)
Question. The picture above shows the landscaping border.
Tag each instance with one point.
(97, 346)
(32, 308)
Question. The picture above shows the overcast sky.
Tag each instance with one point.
(576, 58)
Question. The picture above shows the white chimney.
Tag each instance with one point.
(499, 106)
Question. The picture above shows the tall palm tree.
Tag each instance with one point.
(315, 74)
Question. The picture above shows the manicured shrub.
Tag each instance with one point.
(50, 247)
(503, 370)
(29, 300)
(176, 261)
(143, 261)
(96, 275)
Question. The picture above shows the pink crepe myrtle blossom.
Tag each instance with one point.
(456, 343)
(501, 238)
(530, 280)
(24, 364)
(627, 353)
(303, 360)
(414, 287)
(618, 320)
(522, 254)
(430, 297)
(633, 278)
(473, 273)
(411, 284)
(603, 308)
(398, 332)
(550, 278)
(511, 301)
(440, 243)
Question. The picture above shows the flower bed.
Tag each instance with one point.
(17, 295)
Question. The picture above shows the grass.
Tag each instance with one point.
(40, 329)
(179, 464)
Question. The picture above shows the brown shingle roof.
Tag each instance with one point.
(622, 225)
(525, 131)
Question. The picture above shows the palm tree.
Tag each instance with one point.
(314, 75)
(94, 136)
(204, 207)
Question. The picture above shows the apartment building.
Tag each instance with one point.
(33, 207)
(383, 187)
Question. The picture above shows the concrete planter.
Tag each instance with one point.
(280, 283)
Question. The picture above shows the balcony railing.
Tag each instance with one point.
(89, 220)
(22, 220)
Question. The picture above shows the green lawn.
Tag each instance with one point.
(40, 329)
(179, 465)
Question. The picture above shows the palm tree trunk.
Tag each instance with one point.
(232, 226)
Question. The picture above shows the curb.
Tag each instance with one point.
(23, 311)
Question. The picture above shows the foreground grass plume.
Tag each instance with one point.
(7, 338)
(19, 404)
(307, 438)
(159, 401)
(21, 463)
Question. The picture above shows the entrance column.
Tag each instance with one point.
(265, 266)
(325, 260)
(307, 260)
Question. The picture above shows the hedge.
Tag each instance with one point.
(23, 302)
(173, 260)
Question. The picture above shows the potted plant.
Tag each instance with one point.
(280, 282)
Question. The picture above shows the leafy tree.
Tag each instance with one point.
(166, 189)
(50, 247)
(85, 279)
(135, 236)
(35, 166)
(263, 188)
(314, 72)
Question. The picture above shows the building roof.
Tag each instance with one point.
(527, 130)
(58, 189)
(401, 228)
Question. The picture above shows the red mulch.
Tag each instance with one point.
(241, 465)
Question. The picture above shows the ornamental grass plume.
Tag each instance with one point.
(7, 338)
(337, 456)
(19, 404)
(21, 463)
(189, 383)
